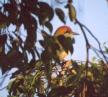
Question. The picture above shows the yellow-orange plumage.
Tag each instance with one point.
(63, 30)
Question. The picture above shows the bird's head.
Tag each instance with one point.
(66, 31)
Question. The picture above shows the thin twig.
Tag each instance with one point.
(98, 50)
(97, 54)
(99, 44)
(3, 88)
(87, 45)
(5, 76)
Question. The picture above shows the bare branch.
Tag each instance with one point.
(3, 88)
(87, 45)
(99, 44)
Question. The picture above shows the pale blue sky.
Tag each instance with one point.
(92, 13)
(95, 16)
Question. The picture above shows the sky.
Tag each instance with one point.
(92, 13)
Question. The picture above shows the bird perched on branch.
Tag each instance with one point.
(65, 37)
(60, 44)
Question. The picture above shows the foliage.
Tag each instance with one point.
(44, 74)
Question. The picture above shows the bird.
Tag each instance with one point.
(60, 44)
(65, 38)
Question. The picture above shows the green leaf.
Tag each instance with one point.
(49, 26)
(46, 57)
(43, 43)
(45, 13)
(3, 39)
(106, 49)
(4, 63)
(60, 14)
(45, 35)
(30, 24)
(72, 12)
(3, 20)
(12, 10)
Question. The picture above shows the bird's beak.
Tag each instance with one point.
(74, 33)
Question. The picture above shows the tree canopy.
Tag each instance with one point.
(42, 71)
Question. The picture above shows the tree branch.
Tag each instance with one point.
(3, 88)
(87, 45)
(99, 44)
